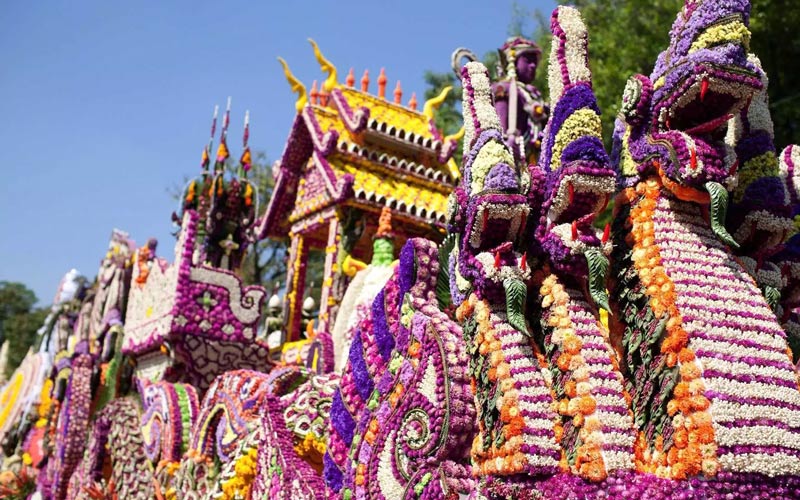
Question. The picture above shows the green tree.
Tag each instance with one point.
(19, 321)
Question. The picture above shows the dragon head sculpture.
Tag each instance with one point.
(574, 179)
(674, 123)
(489, 209)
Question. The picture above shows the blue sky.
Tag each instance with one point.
(106, 105)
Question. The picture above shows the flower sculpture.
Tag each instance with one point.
(226, 413)
(115, 439)
(517, 432)
(713, 390)
(401, 422)
(520, 107)
(169, 413)
(572, 183)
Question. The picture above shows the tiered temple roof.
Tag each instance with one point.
(350, 147)
(349, 151)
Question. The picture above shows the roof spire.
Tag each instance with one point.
(398, 93)
(412, 103)
(205, 159)
(365, 81)
(382, 84)
(296, 85)
(325, 66)
(314, 94)
(351, 78)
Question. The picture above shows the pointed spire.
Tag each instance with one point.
(365, 81)
(314, 93)
(246, 160)
(325, 66)
(246, 133)
(434, 103)
(382, 84)
(222, 150)
(412, 103)
(351, 78)
(205, 158)
(398, 93)
(296, 86)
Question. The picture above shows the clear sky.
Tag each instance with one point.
(106, 105)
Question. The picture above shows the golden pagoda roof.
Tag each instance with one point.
(347, 145)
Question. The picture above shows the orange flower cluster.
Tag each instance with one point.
(579, 403)
(694, 450)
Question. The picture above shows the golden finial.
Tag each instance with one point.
(325, 66)
(433, 103)
(296, 85)
(455, 137)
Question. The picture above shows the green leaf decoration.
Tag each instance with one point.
(773, 296)
(598, 269)
(443, 278)
(516, 294)
(719, 207)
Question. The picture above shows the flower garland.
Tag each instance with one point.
(517, 432)
(694, 449)
(597, 435)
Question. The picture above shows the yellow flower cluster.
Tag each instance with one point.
(311, 449)
(238, 487)
(45, 403)
(8, 398)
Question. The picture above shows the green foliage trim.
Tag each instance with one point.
(443, 278)
(719, 208)
(598, 270)
(516, 295)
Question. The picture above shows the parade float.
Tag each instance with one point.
(478, 335)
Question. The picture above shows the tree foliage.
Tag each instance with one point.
(19, 321)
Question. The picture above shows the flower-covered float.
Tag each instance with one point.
(511, 350)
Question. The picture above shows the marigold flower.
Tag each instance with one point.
(572, 344)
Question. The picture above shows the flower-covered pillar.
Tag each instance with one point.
(330, 295)
(295, 286)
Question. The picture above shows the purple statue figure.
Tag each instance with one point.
(519, 104)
